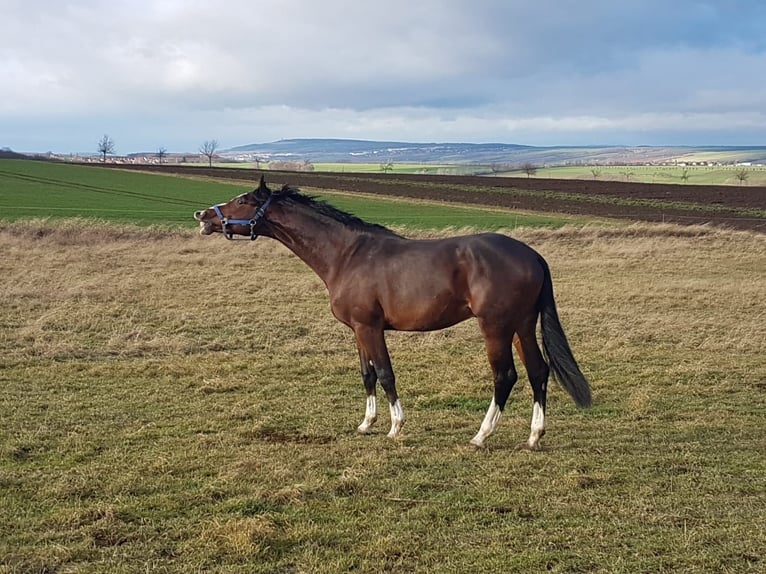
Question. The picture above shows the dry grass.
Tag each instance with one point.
(177, 403)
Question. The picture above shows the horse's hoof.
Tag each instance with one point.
(365, 427)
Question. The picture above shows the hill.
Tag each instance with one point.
(8, 153)
(363, 151)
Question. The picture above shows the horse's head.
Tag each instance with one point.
(239, 216)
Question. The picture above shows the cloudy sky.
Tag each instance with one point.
(174, 73)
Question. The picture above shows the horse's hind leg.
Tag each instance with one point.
(500, 356)
(537, 370)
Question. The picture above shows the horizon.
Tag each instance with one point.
(238, 147)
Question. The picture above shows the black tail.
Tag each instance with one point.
(556, 346)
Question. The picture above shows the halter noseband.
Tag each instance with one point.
(252, 222)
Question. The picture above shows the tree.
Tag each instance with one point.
(162, 153)
(529, 168)
(386, 167)
(596, 172)
(105, 146)
(685, 175)
(742, 176)
(208, 149)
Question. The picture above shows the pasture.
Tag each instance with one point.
(348, 167)
(174, 403)
(667, 174)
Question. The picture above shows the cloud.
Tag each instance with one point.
(492, 70)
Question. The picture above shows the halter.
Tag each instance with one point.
(257, 216)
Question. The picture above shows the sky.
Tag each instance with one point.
(174, 73)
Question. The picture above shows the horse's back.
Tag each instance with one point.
(421, 285)
(498, 254)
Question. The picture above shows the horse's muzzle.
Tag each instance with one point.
(205, 227)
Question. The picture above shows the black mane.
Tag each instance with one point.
(293, 195)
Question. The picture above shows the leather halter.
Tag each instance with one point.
(252, 222)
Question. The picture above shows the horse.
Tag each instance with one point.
(378, 280)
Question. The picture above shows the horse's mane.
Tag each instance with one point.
(293, 195)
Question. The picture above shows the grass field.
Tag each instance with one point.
(173, 403)
(695, 175)
(425, 168)
(422, 168)
(40, 189)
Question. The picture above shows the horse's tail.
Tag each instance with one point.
(556, 347)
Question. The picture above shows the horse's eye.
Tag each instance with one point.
(241, 201)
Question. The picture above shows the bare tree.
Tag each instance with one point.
(162, 153)
(529, 168)
(105, 146)
(685, 175)
(742, 176)
(208, 149)
(386, 167)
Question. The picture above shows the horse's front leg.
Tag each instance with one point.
(369, 378)
(372, 348)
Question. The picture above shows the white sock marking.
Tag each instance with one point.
(537, 426)
(488, 425)
(370, 414)
(397, 419)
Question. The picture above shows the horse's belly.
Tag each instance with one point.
(426, 316)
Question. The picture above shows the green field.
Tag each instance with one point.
(408, 168)
(39, 189)
(347, 167)
(695, 175)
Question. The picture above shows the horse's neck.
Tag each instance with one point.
(318, 241)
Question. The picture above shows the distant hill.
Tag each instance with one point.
(363, 151)
(8, 153)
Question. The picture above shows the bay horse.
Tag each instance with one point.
(378, 280)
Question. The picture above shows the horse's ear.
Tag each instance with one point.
(263, 190)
